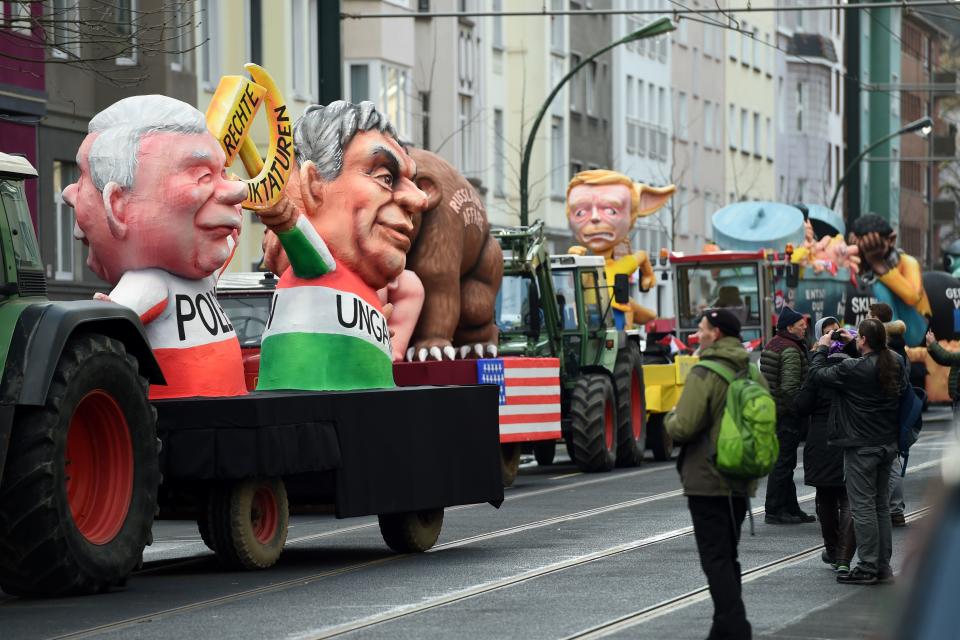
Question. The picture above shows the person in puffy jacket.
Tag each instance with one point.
(823, 462)
(866, 411)
(783, 363)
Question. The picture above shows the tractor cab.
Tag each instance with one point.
(22, 266)
(734, 280)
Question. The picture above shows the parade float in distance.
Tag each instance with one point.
(766, 255)
(136, 403)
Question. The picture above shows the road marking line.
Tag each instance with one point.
(569, 475)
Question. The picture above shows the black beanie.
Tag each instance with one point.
(724, 320)
(787, 317)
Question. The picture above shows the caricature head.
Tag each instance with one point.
(602, 206)
(153, 192)
(357, 187)
(872, 223)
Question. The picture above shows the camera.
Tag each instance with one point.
(836, 335)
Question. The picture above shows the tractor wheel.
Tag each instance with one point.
(411, 531)
(631, 407)
(659, 441)
(247, 522)
(593, 424)
(509, 462)
(80, 486)
(544, 452)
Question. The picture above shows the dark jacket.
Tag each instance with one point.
(822, 462)
(695, 423)
(865, 414)
(783, 363)
(948, 359)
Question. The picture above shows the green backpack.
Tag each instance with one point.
(747, 446)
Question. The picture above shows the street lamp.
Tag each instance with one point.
(655, 28)
(923, 127)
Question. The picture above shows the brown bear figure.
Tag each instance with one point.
(459, 263)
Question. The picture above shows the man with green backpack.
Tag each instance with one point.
(726, 421)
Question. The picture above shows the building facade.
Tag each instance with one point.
(809, 99)
(698, 148)
(281, 37)
(921, 44)
(750, 105)
(22, 88)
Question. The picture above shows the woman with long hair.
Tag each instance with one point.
(867, 391)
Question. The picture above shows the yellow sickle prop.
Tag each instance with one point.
(230, 117)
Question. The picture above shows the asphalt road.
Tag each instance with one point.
(567, 555)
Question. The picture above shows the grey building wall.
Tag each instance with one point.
(591, 135)
(75, 96)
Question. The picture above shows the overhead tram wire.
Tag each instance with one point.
(594, 12)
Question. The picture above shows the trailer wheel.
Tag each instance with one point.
(593, 424)
(509, 462)
(659, 441)
(248, 522)
(545, 452)
(411, 531)
(80, 487)
(631, 407)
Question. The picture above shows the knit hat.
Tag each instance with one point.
(787, 317)
(724, 320)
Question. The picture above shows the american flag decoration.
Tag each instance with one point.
(529, 396)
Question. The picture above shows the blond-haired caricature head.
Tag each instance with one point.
(603, 205)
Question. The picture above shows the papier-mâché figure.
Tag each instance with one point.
(348, 238)
(602, 207)
(161, 220)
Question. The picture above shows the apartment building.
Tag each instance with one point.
(642, 117)
(750, 105)
(809, 99)
(921, 44)
(699, 153)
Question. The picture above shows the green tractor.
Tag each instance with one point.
(559, 306)
(79, 468)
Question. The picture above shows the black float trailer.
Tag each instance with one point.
(401, 454)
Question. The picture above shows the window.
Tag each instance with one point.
(67, 247)
(556, 27)
(558, 174)
(695, 167)
(123, 14)
(682, 116)
(497, 25)
(593, 305)
(732, 128)
(755, 45)
(682, 31)
(707, 125)
(591, 99)
(769, 139)
(799, 106)
(394, 97)
(425, 119)
(499, 187)
(360, 84)
(65, 40)
(576, 84)
(769, 54)
(255, 31)
(745, 45)
(695, 73)
(744, 131)
(21, 19)
(467, 130)
(801, 183)
(304, 50)
(732, 44)
(632, 125)
(756, 134)
(210, 44)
